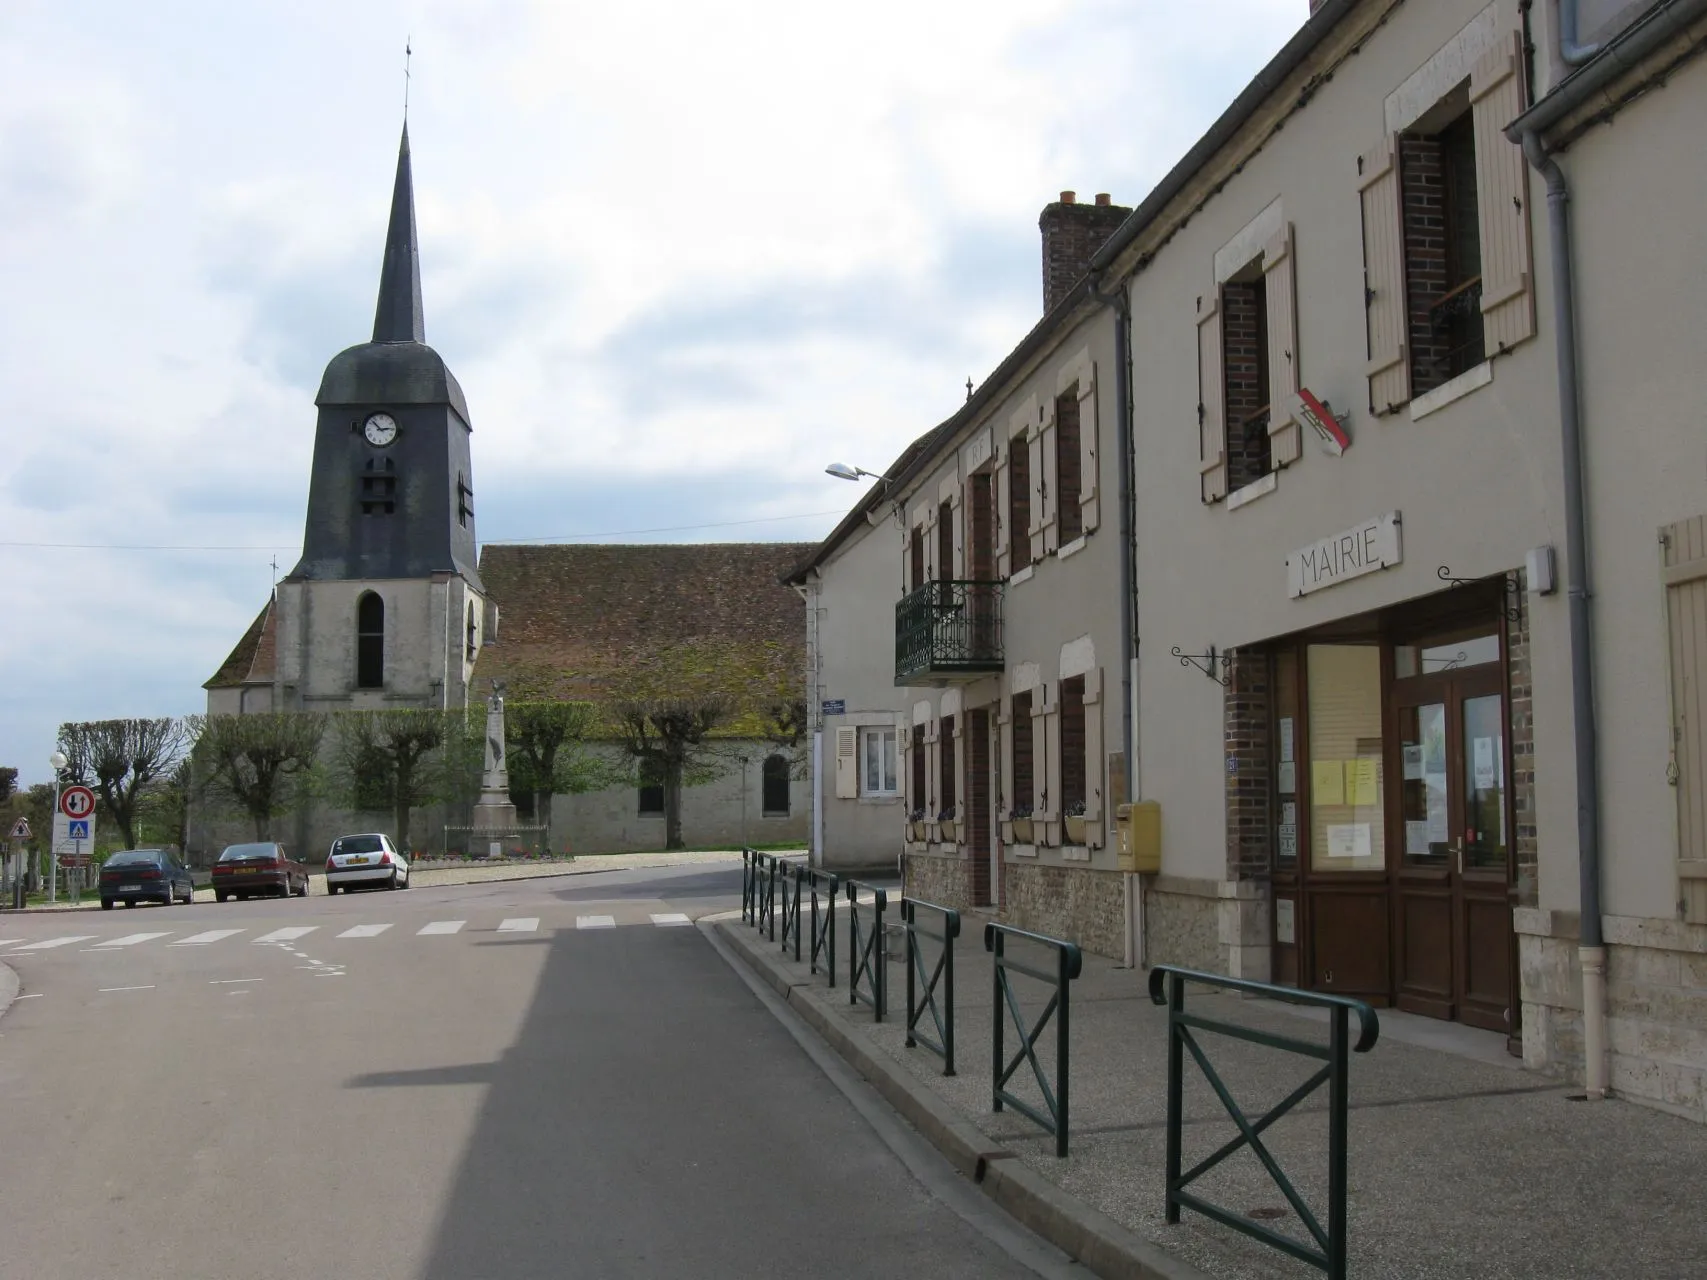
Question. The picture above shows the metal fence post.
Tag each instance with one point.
(1337, 1102)
(998, 1019)
(1063, 1058)
(1176, 1091)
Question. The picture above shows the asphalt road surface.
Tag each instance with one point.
(517, 1079)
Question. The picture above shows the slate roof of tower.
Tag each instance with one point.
(584, 611)
(252, 659)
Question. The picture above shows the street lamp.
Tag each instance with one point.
(842, 471)
(58, 760)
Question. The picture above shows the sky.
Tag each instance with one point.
(680, 257)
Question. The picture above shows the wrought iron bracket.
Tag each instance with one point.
(1513, 607)
(1207, 663)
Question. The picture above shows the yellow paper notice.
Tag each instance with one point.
(1361, 779)
(1327, 782)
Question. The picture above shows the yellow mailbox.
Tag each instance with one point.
(1140, 828)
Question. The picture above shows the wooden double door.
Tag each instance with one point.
(1449, 829)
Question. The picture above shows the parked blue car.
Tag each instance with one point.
(145, 875)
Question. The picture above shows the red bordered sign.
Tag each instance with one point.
(77, 802)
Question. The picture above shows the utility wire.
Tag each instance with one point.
(567, 537)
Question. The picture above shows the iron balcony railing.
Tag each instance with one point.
(948, 629)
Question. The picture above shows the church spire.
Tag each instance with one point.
(398, 317)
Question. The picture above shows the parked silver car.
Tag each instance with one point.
(365, 861)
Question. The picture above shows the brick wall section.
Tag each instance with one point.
(1244, 341)
(1247, 719)
(1072, 721)
(1068, 467)
(1422, 186)
(1526, 848)
(1085, 907)
(1072, 233)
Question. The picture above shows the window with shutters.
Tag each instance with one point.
(1072, 746)
(1446, 237)
(1021, 802)
(877, 777)
(1019, 505)
(917, 762)
(775, 798)
(945, 542)
(916, 559)
(1068, 465)
(1244, 375)
(1685, 571)
(945, 755)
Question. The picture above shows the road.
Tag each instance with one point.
(516, 1079)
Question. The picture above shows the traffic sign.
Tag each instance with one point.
(77, 802)
(73, 835)
(21, 829)
(78, 828)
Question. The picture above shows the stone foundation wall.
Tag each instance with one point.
(946, 881)
(1074, 903)
(1182, 923)
(1656, 1004)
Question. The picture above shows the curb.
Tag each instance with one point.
(8, 988)
(1085, 1234)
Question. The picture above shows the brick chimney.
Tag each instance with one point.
(1072, 233)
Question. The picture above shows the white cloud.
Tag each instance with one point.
(680, 257)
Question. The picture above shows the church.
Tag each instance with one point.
(394, 603)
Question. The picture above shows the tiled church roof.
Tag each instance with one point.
(252, 659)
(575, 615)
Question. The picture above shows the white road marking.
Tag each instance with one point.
(202, 939)
(440, 926)
(34, 995)
(595, 922)
(365, 931)
(147, 987)
(339, 974)
(6, 942)
(670, 919)
(521, 924)
(130, 940)
(226, 982)
(56, 942)
(288, 935)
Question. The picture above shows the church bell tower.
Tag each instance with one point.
(386, 606)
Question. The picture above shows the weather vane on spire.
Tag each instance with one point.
(407, 53)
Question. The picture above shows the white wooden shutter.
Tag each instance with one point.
(1096, 765)
(1212, 433)
(1050, 479)
(1686, 615)
(1389, 368)
(1034, 442)
(1280, 284)
(1502, 199)
(904, 762)
(847, 764)
(1089, 475)
(999, 487)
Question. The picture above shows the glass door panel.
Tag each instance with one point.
(1485, 837)
(1422, 747)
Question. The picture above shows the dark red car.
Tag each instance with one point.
(260, 868)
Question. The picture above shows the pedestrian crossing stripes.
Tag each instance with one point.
(287, 937)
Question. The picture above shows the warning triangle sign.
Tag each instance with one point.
(21, 829)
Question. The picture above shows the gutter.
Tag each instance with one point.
(1622, 55)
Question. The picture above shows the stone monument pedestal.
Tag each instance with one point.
(495, 814)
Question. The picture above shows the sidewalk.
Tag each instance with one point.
(1461, 1163)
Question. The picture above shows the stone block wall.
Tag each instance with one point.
(1182, 923)
(944, 880)
(1082, 906)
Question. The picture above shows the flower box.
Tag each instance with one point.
(1075, 828)
(1023, 831)
(950, 829)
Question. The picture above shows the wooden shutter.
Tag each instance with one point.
(847, 764)
(999, 488)
(1050, 479)
(904, 762)
(933, 772)
(1046, 763)
(1686, 616)
(1089, 488)
(1005, 754)
(1034, 442)
(1096, 766)
(1389, 368)
(1502, 199)
(1279, 281)
(1212, 433)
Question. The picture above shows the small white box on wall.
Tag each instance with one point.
(1538, 571)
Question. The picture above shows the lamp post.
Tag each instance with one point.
(842, 471)
(58, 760)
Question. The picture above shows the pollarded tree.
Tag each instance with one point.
(397, 761)
(122, 758)
(263, 764)
(549, 756)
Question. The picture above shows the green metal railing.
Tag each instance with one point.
(953, 626)
(822, 928)
(1167, 987)
(749, 886)
(868, 954)
(791, 908)
(922, 987)
(1054, 1115)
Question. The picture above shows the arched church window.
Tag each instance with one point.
(370, 642)
(776, 787)
(472, 646)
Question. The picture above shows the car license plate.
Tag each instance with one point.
(130, 888)
(358, 862)
(245, 871)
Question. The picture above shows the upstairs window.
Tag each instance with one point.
(1019, 504)
(1244, 375)
(1068, 466)
(370, 642)
(775, 801)
(945, 759)
(916, 559)
(945, 542)
(1025, 790)
(1072, 746)
(1443, 250)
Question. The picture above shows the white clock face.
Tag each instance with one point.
(380, 430)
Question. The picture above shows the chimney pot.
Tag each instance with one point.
(1068, 197)
(1103, 200)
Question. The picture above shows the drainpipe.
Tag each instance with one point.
(1643, 38)
(1132, 887)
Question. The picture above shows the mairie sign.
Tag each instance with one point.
(1372, 545)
